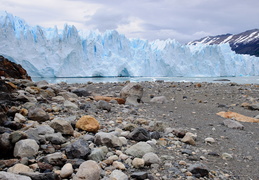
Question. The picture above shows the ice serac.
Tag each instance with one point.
(49, 52)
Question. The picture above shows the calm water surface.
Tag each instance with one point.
(239, 80)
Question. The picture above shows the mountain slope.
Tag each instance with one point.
(243, 43)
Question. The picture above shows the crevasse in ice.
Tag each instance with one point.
(49, 52)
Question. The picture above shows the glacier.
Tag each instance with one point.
(50, 52)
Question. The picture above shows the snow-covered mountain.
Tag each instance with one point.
(49, 52)
(243, 43)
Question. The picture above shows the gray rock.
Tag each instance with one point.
(151, 158)
(132, 92)
(5, 145)
(68, 95)
(254, 106)
(62, 126)
(155, 135)
(139, 175)
(118, 175)
(97, 155)
(81, 92)
(70, 105)
(38, 114)
(139, 149)
(55, 138)
(159, 99)
(55, 159)
(42, 176)
(17, 136)
(198, 170)
(78, 149)
(140, 134)
(42, 84)
(233, 124)
(26, 148)
(107, 139)
(32, 133)
(89, 170)
(12, 176)
(45, 129)
(58, 99)
(104, 105)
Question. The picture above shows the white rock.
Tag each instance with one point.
(19, 118)
(210, 140)
(19, 168)
(66, 170)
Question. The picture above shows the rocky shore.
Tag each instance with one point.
(119, 131)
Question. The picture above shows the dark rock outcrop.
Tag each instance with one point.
(10, 69)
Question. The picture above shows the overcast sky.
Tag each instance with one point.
(183, 20)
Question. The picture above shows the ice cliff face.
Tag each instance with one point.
(71, 53)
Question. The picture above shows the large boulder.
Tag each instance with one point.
(132, 93)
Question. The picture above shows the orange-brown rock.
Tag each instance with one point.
(237, 116)
(12, 70)
(108, 99)
(88, 123)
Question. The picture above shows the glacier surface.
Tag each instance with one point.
(49, 52)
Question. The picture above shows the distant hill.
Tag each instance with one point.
(243, 43)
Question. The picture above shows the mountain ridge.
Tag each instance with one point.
(246, 42)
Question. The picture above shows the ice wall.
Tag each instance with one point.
(71, 53)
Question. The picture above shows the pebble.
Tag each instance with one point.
(151, 158)
(138, 163)
(210, 140)
(118, 165)
(66, 170)
(88, 123)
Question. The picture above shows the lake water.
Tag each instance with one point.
(239, 80)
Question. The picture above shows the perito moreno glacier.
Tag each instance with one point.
(49, 52)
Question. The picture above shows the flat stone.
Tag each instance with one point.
(45, 129)
(19, 168)
(140, 175)
(12, 176)
(159, 99)
(233, 124)
(104, 105)
(97, 154)
(55, 138)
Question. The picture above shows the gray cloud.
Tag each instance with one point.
(183, 20)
